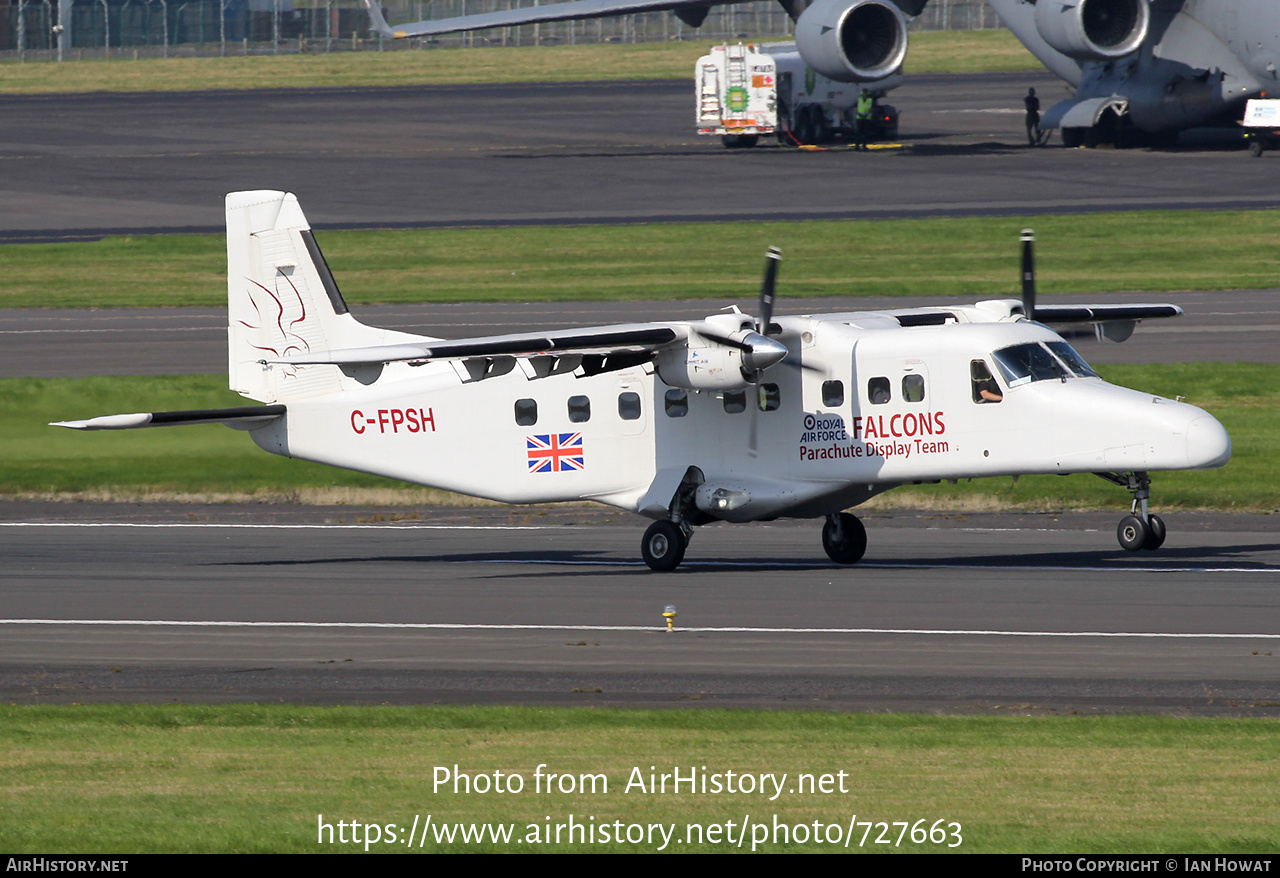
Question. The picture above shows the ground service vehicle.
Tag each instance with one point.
(1261, 125)
(746, 91)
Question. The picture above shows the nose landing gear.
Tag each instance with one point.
(1139, 529)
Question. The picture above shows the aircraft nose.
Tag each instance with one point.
(1208, 444)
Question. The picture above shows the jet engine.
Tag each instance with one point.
(1093, 30)
(852, 40)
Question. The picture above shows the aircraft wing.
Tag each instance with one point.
(603, 340)
(577, 9)
(1111, 322)
(248, 417)
(1050, 314)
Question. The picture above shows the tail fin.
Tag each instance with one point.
(281, 300)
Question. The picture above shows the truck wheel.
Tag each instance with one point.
(1255, 148)
(803, 128)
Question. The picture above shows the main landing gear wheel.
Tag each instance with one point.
(663, 546)
(844, 538)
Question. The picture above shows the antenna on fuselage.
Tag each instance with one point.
(1029, 273)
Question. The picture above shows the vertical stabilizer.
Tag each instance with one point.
(281, 299)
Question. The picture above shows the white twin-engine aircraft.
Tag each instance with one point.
(725, 419)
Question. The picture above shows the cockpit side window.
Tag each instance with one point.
(985, 388)
(1023, 363)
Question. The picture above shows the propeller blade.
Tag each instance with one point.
(752, 435)
(765, 312)
(1029, 274)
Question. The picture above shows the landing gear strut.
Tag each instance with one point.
(1139, 529)
(844, 538)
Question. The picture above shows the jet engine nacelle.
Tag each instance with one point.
(1093, 30)
(852, 40)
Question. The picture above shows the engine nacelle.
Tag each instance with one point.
(1093, 30)
(713, 367)
(730, 364)
(852, 40)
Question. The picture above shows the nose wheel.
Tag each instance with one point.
(1135, 534)
(1139, 529)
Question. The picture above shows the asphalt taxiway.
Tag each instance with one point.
(83, 165)
(1219, 326)
(946, 612)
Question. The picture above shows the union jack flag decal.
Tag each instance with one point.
(555, 452)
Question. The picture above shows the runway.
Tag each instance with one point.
(953, 613)
(948, 613)
(84, 165)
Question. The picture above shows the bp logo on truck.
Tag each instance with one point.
(736, 98)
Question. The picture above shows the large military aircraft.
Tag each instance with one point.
(731, 418)
(1142, 69)
(1148, 68)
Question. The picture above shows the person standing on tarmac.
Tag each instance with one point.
(1033, 117)
(862, 120)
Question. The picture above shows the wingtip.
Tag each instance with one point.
(108, 422)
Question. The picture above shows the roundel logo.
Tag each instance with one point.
(810, 422)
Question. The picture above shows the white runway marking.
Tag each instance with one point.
(389, 525)
(448, 626)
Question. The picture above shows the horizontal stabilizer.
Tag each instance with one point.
(529, 15)
(604, 341)
(248, 417)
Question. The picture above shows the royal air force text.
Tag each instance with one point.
(896, 435)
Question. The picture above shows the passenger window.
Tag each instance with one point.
(878, 391)
(913, 387)
(832, 393)
(770, 397)
(735, 401)
(629, 406)
(579, 409)
(985, 388)
(526, 412)
(676, 403)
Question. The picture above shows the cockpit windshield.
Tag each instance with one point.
(1074, 361)
(1033, 361)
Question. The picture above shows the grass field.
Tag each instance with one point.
(254, 778)
(214, 462)
(950, 51)
(962, 256)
